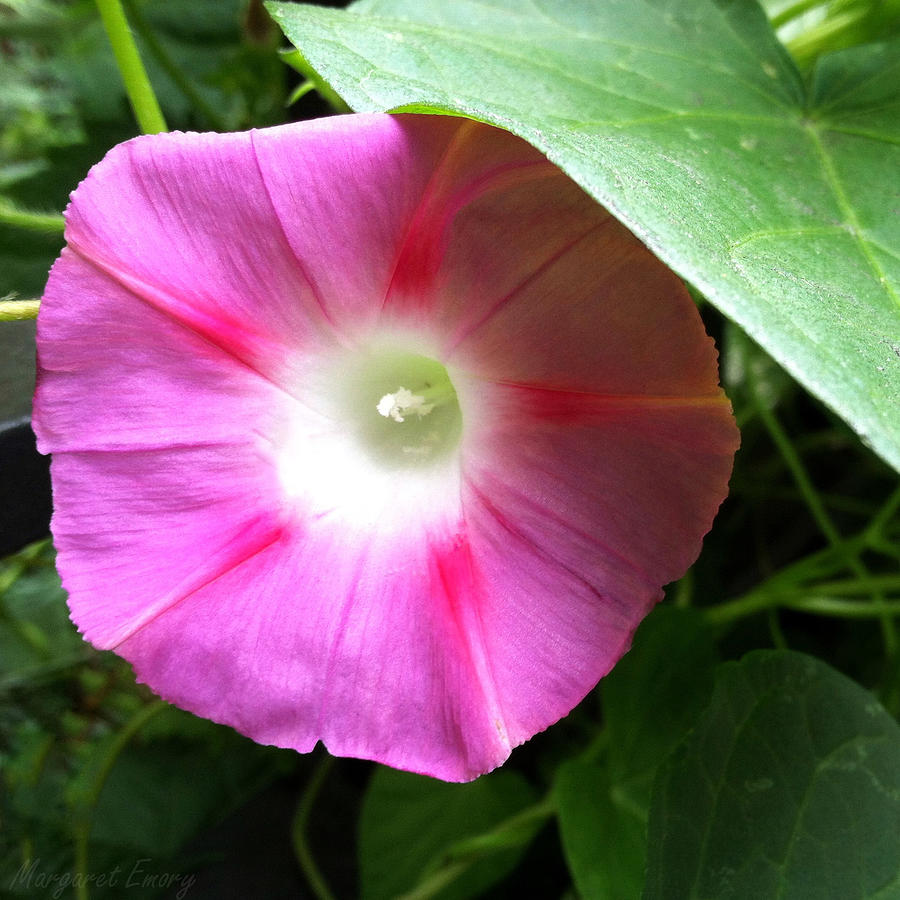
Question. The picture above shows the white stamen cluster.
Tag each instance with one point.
(403, 403)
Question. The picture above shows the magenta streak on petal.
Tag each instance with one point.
(525, 500)
(468, 330)
(251, 540)
(554, 404)
(412, 277)
(314, 288)
(426, 228)
(151, 447)
(231, 337)
(510, 529)
(454, 575)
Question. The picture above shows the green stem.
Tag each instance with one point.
(869, 585)
(298, 830)
(30, 221)
(795, 11)
(845, 609)
(733, 610)
(89, 801)
(137, 85)
(295, 59)
(819, 513)
(18, 310)
(778, 639)
(172, 70)
(884, 515)
(512, 832)
(817, 603)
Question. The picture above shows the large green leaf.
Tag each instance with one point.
(691, 124)
(788, 787)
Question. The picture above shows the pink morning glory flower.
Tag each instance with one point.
(374, 430)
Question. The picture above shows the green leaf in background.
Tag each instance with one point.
(605, 843)
(409, 823)
(650, 701)
(654, 695)
(37, 640)
(688, 121)
(789, 787)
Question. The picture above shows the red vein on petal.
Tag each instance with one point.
(233, 338)
(567, 404)
(467, 331)
(252, 540)
(453, 567)
(427, 224)
(313, 287)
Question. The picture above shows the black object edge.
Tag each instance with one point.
(25, 502)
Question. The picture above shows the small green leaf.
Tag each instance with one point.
(409, 823)
(789, 787)
(654, 695)
(604, 842)
(691, 124)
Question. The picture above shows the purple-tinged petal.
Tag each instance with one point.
(346, 195)
(578, 509)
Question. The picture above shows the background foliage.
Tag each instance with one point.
(747, 746)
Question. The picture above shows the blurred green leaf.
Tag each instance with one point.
(650, 701)
(36, 637)
(409, 823)
(788, 787)
(654, 695)
(604, 841)
(692, 125)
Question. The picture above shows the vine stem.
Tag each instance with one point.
(820, 514)
(84, 821)
(155, 47)
(795, 11)
(515, 831)
(298, 830)
(49, 223)
(137, 85)
(18, 310)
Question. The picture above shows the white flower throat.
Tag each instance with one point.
(402, 409)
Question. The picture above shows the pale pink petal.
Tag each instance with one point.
(346, 191)
(138, 531)
(185, 223)
(578, 510)
(527, 280)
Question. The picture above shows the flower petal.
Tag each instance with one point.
(116, 373)
(166, 217)
(368, 651)
(348, 216)
(577, 515)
